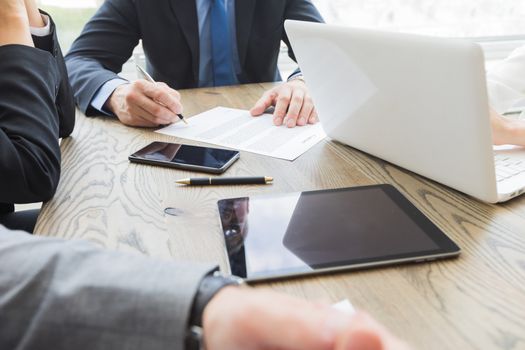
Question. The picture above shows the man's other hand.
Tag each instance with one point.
(145, 104)
(245, 319)
(293, 104)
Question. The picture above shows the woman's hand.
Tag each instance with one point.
(34, 16)
(506, 131)
(14, 23)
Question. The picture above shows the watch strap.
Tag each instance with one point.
(209, 287)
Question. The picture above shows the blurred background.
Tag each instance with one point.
(499, 25)
(484, 20)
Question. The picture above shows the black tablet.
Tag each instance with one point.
(276, 236)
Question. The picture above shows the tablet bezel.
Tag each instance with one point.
(446, 247)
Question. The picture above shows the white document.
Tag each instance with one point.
(236, 128)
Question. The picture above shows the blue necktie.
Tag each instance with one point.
(223, 73)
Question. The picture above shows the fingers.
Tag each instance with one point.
(266, 101)
(306, 111)
(152, 111)
(137, 118)
(146, 104)
(296, 104)
(362, 340)
(313, 117)
(293, 105)
(364, 333)
(283, 101)
(165, 95)
(284, 322)
(303, 326)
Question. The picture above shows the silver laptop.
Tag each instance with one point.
(418, 102)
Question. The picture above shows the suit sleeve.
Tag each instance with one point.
(29, 124)
(300, 10)
(64, 101)
(58, 295)
(105, 44)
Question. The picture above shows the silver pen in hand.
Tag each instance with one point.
(148, 77)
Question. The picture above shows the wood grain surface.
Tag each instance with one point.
(474, 302)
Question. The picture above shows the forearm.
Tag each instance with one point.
(14, 28)
(77, 296)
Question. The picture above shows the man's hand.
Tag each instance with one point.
(293, 104)
(14, 23)
(142, 103)
(245, 319)
(506, 131)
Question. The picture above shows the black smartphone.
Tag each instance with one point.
(174, 155)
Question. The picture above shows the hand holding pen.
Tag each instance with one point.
(144, 103)
(145, 75)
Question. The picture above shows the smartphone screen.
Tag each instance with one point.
(186, 156)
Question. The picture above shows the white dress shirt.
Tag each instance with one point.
(42, 31)
(506, 83)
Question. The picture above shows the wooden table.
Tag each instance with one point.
(474, 302)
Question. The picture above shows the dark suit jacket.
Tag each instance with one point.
(170, 37)
(36, 108)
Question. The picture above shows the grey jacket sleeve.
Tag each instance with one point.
(57, 294)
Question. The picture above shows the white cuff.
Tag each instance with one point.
(42, 31)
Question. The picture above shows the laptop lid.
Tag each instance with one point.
(418, 102)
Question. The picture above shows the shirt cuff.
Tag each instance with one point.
(298, 75)
(42, 31)
(104, 93)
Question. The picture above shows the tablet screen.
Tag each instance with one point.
(297, 233)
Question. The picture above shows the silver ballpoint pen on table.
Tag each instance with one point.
(148, 77)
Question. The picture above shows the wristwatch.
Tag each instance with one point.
(209, 287)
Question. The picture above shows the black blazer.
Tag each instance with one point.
(170, 37)
(36, 108)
